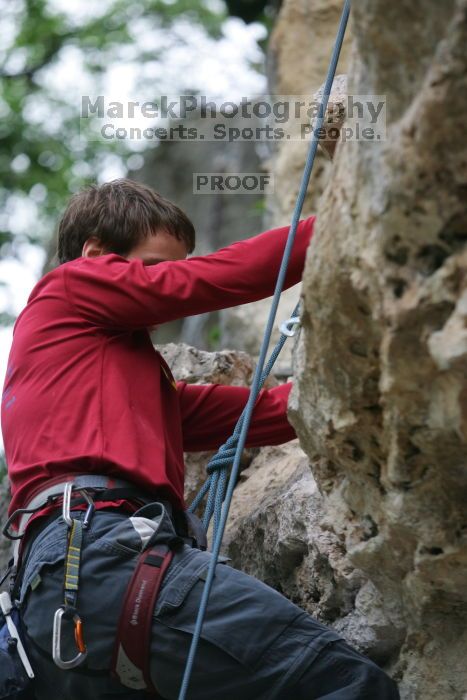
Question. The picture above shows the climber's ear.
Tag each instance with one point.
(93, 247)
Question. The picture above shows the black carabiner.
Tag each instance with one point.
(12, 518)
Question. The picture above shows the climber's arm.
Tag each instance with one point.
(210, 412)
(113, 292)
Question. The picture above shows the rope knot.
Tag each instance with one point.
(224, 457)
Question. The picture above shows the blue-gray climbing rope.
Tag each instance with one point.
(216, 484)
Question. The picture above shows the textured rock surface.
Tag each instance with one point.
(195, 366)
(278, 532)
(380, 402)
(299, 52)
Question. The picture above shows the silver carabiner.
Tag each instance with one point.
(67, 503)
(56, 641)
(288, 327)
(66, 511)
(89, 509)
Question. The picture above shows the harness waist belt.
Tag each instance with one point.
(115, 489)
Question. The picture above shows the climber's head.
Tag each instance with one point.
(126, 218)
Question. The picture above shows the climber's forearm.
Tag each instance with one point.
(210, 412)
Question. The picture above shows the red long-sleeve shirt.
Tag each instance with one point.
(85, 390)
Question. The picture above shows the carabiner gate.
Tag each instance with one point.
(56, 640)
(66, 506)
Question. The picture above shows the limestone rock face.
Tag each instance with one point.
(380, 400)
(278, 532)
(194, 366)
(299, 52)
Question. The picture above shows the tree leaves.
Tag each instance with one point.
(41, 34)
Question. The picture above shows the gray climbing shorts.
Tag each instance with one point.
(255, 645)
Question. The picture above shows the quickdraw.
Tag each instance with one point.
(68, 610)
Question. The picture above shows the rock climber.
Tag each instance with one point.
(95, 427)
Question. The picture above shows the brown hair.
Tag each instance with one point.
(120, 214)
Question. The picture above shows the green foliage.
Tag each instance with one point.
(214, 336)
(44, 157)
(47, 149)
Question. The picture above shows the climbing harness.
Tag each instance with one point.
(221, 492)
(131, 654)
(103, 488)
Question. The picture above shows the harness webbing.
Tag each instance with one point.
(131, 655)
(217, 480)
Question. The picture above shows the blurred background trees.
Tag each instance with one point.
(54, 51)
(43, 158)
